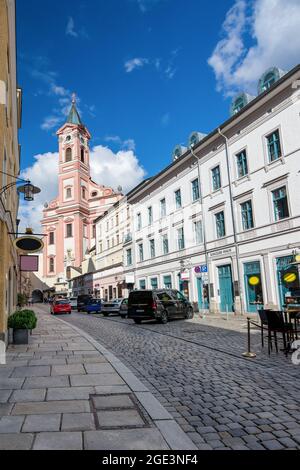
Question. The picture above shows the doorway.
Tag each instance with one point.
(225, 288)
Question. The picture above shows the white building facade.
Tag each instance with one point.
(222, 222)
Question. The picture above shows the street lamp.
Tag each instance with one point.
(28, 189)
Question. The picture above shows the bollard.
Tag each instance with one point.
(249, 353)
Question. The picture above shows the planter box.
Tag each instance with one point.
(20, 336)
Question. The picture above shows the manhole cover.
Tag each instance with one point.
(118, 411)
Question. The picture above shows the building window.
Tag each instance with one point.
(128, 257)
(100, 247)
(141, 252)
(163, 208)
(51, 265)
(247, 215)
(117, 219)
(195, 190)
(238, 105)
(220, 224)
(85, 231)
(68, 155)
(242, 165)
(150, 216)
(274, 147)
(281, 208)
(154, 283)
(68, 193)
(69, 230)
(51, 238)
(142, 283)
(216, 178)
(83, 192)
(165, 244)
(94, 194)
(167, 280)
(178, 201)
(198, 232)
(94, 231)
(82, 154)
(269, 80)
(139, 221)
(180, 238)
(152, 248)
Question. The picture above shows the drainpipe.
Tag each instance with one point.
(203, 222)
(233, 219)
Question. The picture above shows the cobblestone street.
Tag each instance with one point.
(195, 369)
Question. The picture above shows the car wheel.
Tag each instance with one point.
(164, 317)
(190, 314)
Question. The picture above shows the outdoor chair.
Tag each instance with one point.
(277, 324)
(263, 323)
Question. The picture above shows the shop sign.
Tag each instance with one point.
(185, 276)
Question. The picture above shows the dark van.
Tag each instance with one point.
(158, 304)
(82, 300)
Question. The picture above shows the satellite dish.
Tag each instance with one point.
(46, 205)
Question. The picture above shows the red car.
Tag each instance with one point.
(60, 306)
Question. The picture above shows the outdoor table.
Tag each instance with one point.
(292, 312)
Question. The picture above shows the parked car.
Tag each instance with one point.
(82, 300)
(123, 312)
(60, 306)
(158, 304)
(92, 306)
(111, 306)
(73, 302)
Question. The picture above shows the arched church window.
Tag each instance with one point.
(82, 154)
(51, 265)
(83, 193)
(68, 154)
(68, 193)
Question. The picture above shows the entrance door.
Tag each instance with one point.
(225, 288)
(253, 285)
(202, 294)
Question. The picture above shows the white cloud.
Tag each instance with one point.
(166, 67)
(273, 28)
(43, 173)
(50, 122)
(136, 63)
(70, 31)
(108, 168)
(128, 144)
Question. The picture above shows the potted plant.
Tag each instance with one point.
(21, 322)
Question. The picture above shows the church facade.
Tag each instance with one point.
(68, 220)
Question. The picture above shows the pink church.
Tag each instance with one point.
(68, 220)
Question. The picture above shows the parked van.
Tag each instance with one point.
(158, 304)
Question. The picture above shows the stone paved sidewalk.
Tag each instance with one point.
(65, 391)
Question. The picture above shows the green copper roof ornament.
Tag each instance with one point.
(73, 116)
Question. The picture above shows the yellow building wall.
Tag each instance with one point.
(9, 147)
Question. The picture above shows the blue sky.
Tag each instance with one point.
(146, 72)
(157, 104)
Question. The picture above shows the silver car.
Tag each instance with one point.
(73, 302)
(111, 306)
